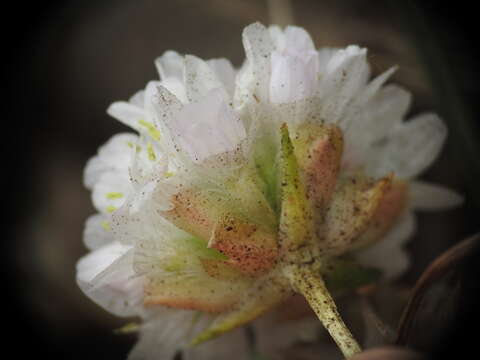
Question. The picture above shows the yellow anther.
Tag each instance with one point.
(114, 195)
(131, 145)
(106, 225)
(152, 130)
(151, 152)
(109, 209)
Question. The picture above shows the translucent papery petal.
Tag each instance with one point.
(165, 109)
(352, 209)
(97, 231)
(389, 254)
(170, 65)
(391, 206)
(371, 89)
(176, 87)
(196, 291)
(225, 72)
(111, 190)
(164, 332)
(106, 276)
(382, 113)
(232, 345)
(171, 262)
(258, 47)
(293, 77)
(325, 54)
(127, 113)
(138, 99)
(114, 156)
(207, 128)
(200, 79)
(372, 123)
(346, 73)
(410, 148)
(265, 294)
(373, 102)
(278, 36)
(148, 162)
(129, 227)
(427, 196)
(216, 218)
(298, 40)
(292, 40)
(267, 118)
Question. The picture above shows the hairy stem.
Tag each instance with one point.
(312, 287)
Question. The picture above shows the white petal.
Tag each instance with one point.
(176, 87)
(111, 190)
(278, 36)
(170, 65)
(231, 345)
(166, 107)
(375, 121)
(200, 79)
(138, 99)
(163, 334)
(150, 91)
(97, 231)
(427, 196)
(373, 88)
(127, 114)
(115, 155)
(106, 275)
(293, 77)
(325, 54)
(294, 40)
(258, 47)
(389, 254)
(148, 162)
(411, 147)
(388, 107)
(225, 72)
(298, 40)
(346, 73)
(207, 128)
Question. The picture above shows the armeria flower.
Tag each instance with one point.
(293, 174)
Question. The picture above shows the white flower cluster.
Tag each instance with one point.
(161, 193)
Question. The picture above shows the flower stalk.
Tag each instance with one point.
(312, 287)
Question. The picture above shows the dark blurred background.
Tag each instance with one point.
(66, 61)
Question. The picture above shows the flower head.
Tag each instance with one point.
(240, 188)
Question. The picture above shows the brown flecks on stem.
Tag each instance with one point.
(313, 288)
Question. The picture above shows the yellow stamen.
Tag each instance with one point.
(131, 145)
(106, 225)
(151, 152)
(152, 130)
(114, 195)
